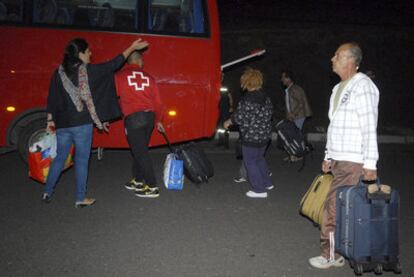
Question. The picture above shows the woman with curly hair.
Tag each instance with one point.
(254, 115)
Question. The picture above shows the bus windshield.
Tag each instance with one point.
(183, 57)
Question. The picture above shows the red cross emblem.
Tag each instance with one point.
(138, 80)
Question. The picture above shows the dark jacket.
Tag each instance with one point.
(102, 86)
(254, 115)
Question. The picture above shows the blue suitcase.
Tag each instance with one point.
(367, 229)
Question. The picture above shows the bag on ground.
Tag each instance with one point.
(173, 172)
(41, 155)
(198, 167)
(313, 201)
(367, 227)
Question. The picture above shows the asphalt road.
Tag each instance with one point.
(207, 230)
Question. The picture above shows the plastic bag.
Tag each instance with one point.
(47, 145)
(173, 172)
(41, 155)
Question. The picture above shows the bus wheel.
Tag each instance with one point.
(30, 134)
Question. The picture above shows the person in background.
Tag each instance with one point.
(225, 109)
(253, 116)
(297, 106)
(351, 148)
(142, 109)
(81, 94)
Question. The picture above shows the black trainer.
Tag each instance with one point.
(148, 192)
(154, 189)
(134, 185)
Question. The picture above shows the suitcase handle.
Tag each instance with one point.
(376, 191)
(168, 141)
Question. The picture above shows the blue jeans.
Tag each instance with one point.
(81, 137)
(257, 169)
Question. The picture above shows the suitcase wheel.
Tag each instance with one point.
(358, 269)
(378, 269)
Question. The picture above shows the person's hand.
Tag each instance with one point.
(369, 174)
(227, 123)
(139, 44)
(326, 166)
(160, 127)
(50, 127)
(290, 116)
(105, 127)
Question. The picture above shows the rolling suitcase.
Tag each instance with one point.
(292, 138)
(197, 166)
(313, 201)
(367, 228)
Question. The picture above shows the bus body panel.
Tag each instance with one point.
(186, 69)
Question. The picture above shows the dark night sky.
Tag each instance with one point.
(242, 13)
(302, 35)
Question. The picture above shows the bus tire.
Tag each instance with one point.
(30, 133)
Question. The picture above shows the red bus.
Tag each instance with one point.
(183, 58)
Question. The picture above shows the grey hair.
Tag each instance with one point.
(355, 52)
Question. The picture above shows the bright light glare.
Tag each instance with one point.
(172, 113)
(10, 109)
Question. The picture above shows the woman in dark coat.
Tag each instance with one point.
(81, 95)
(253, 116)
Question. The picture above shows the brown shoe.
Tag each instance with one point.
(85, 202)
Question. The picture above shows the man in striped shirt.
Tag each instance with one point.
(351, 149)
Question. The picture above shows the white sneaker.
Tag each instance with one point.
(253, 194)
(270, 187)
(240, 179)
(323, 263)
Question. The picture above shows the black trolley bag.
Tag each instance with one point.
(367, 228)
(198, 167)
(291, 139)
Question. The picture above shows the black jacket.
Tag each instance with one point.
(102, 86)
(254, 115)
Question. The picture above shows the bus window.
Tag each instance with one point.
(176, 17)
(11, 10)
(103, 14)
